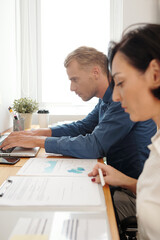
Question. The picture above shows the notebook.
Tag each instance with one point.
(17, 151)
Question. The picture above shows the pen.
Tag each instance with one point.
(101, 177)
(11, 111)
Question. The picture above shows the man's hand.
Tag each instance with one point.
(23, 140)
(113, 177)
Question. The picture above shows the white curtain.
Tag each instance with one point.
(116, 19)
(28, 40)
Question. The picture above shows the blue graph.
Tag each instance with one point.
(51, 166)
(77, 170)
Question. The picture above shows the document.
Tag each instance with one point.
(78, 229)
(58, 167)
(50, 191)
(31, 229)
(63, 226)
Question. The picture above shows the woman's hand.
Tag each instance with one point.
(113, 177)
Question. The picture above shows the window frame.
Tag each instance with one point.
(30, 79)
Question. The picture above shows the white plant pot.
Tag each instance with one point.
(43, 119)
(27, 119)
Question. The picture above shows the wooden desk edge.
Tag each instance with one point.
(110, 211)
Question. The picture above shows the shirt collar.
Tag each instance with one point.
(155, 142)
(107, 98)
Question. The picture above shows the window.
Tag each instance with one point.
(66, 25)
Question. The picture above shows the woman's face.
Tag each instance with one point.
(132, 89)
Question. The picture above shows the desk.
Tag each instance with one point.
(6, 171)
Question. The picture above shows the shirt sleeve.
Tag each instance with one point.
(114, 125)
(82, 127)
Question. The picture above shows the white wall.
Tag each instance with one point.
(140, 11)
(8, 83)
(127, 12)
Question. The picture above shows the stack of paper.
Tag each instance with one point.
(52, 182)
(56, 183)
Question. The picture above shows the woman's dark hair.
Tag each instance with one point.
(140, 46)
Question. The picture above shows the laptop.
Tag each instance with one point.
(17, 151)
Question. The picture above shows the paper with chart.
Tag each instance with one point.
(58, 167)
(50, 191)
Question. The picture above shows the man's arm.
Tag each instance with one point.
(114, 125)
(37, 138)
(38, 132)
(26, 139)
(82, 127)
(113, 177)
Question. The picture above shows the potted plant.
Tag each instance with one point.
(25, 107)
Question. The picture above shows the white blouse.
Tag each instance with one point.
(148, 194)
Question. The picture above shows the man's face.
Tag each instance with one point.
(83, 81)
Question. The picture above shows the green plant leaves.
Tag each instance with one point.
(25, 105)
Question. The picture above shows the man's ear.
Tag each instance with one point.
(96, 71)
(155, 73)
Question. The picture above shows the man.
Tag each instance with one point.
(105, 132)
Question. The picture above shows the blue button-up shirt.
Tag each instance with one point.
(105, 132)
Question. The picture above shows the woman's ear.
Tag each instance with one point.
(154, 67)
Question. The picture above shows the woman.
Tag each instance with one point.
(135, 69)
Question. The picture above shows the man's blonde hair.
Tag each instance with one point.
(87, 56)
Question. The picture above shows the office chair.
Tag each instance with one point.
(128, 228)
